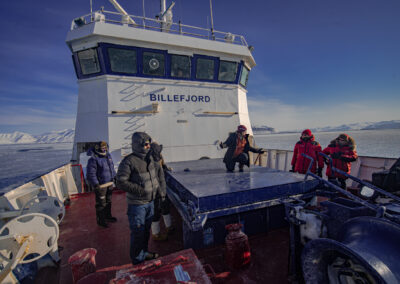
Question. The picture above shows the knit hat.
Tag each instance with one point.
(241, 128)
(307, 132)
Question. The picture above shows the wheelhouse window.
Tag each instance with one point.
(153, 63)
(244, 77)
(122, 60)
(180, 66)
(205, 69)
(89, 61)
(227, 71)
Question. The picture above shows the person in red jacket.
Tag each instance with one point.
(342, 150)
(307, 145)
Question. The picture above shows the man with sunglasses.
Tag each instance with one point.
(141, 178)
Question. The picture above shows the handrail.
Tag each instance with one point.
(221, 112)
(380, 210)
(133, 112)
(154, 24)
(362, 182)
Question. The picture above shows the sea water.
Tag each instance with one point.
(20, 163)
(375, 143)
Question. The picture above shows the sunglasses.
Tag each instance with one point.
(146, 144)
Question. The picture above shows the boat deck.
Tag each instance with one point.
(208, 185)
(79, 230)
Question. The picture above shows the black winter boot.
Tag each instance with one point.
(108, 216)
(100, 219)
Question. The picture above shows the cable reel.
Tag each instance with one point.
(25, 239)
(366, 251)
(48, 205)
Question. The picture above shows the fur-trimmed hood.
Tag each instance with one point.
(351, 143)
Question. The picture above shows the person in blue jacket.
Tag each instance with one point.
(100, 174)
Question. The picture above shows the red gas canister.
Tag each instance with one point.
(237, 247)
(82, 263)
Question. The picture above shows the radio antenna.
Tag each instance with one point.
(91, 10)
(212, 21)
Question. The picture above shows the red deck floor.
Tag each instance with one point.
(79, 230)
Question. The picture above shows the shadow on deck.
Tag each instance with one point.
(269, 251)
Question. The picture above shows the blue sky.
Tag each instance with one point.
(319, 62)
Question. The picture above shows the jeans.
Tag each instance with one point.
(140, 218)
(242, 159)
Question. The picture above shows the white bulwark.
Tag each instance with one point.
(186, 90)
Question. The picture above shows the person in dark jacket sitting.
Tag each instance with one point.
(343, 152)
(100, 174)
(141, 178)
(238, 149)
(307, 145)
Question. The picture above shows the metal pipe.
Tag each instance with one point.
(122, 11)
(359, 180)
(379, 209)
(220, 112)
(212, 21)
(134, 112)
(144, 16)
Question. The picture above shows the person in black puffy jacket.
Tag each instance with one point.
(141, 178)
(100, 174)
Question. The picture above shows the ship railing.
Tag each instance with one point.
(362, 168)
(60, 183)
(158, 25)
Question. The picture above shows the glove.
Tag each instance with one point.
(348, 160)
(221, 145)
(319, 172)
(261, 151)
(166, 168)
(336, 155)
(292, 170)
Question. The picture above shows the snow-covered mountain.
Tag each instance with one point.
(67, 135)
(393, 124)
(16, 137)
(62, 136)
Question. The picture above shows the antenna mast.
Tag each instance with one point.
(144, 16)
(212, 21)
(91, 10)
